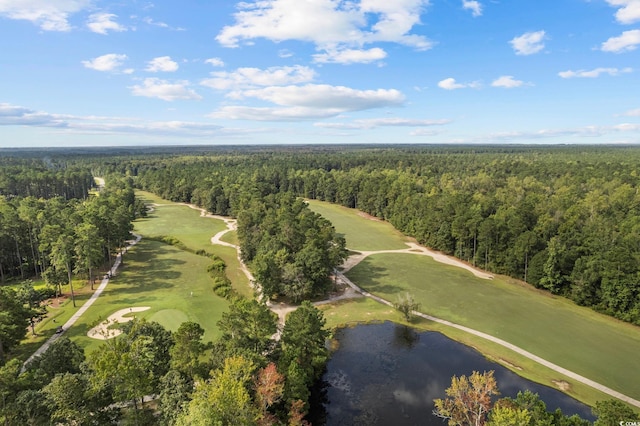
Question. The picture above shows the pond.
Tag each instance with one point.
(389, 374)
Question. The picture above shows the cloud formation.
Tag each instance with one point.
(507, 82)
(13, 115)
(474, 6)
(311, 101)
(451, 84)
(49, 15)
(597, 72)
(372, 123)
(108, 62)
(351, 56)
(528, 43)
(162, 64)
(162, 89)
(629, 11)
(102, 23)
(215, 62)
(625, 42)
(331, 25)
(246, 78)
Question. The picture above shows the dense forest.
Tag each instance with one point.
(565, 219)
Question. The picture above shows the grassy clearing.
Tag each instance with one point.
(173, 282)
(195, 231)
(360, 232)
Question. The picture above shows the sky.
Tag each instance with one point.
(221, 72)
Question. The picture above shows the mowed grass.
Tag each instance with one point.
(195, 232)
(172, 282)
(577, 338)
(361, 232)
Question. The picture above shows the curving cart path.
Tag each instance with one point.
(83, 308)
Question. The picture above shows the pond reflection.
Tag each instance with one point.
(389, 374)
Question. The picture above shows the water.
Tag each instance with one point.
(388, 374)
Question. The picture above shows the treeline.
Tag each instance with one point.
(565, 219)
(244, 378)
(43, 178)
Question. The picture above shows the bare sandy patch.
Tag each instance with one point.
(562, 385)
(102, 330)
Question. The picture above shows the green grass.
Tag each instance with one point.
(195, 231)
(593, 345)
(172, 282)
(360, 233)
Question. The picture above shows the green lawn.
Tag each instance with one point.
(362, 234)
(172, 282)
(195, 231)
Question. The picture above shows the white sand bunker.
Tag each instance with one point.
(102, 332)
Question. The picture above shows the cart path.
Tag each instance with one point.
(419, 250)
(282, 309)
(87, 304)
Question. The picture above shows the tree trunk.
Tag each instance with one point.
(19, 256)
(73, 297)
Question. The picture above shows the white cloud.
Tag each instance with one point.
(101, 23)
(507, 82)
(474, 6)
(162, 89)
(244, 78)
(625, 42)
(451, 84)
(12, 115)
(594, 72)
(150, 21)
(528, 43)
(162, 63)
(108, 62)
(329, 24)
(272, 114)
(308, 102)
(378, 122)
(216, 62)
(49, 15)
(323, 96)
(351, 56)
(629, 11)
(633, 113)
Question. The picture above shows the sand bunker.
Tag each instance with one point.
(102, 332)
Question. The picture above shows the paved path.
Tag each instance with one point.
(83, 308)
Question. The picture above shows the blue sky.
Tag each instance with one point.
(98, 73)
